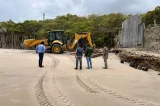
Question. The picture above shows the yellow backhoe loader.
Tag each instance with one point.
(56, 41)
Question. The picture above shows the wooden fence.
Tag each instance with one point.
(12, 41)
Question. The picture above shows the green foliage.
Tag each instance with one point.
(99, 25)
(150, 16)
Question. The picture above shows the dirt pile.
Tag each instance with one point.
(138, 60)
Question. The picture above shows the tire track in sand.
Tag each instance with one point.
(47, 91)
(93, 87)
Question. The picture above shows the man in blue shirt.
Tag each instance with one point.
(41, 50)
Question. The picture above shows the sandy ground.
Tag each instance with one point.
(19, 74)
(120, 85)
(127, 81)
(139, 86)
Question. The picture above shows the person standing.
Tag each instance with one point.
(40, 49)
(88, 54)
(105, 55)
(78, 56)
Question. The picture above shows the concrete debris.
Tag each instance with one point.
(152, 38)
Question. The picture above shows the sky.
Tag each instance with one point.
(21, 10)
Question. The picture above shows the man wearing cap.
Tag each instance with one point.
(40, 49)
(105, 55)
(78, 56)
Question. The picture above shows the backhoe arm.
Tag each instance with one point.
(75, 40)
(89, 39)
(81, 36)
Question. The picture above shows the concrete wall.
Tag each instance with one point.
(131, 34)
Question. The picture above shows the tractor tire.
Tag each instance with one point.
(56, 48)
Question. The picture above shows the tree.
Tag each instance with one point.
(99, 25)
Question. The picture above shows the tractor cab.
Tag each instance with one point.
(56, 35)
(56, 41)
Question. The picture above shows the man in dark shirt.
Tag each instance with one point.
(88, 54)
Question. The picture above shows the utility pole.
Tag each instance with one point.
(43, 16)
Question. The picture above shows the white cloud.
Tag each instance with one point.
(20, 10)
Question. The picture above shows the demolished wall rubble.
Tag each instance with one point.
(152, 38)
